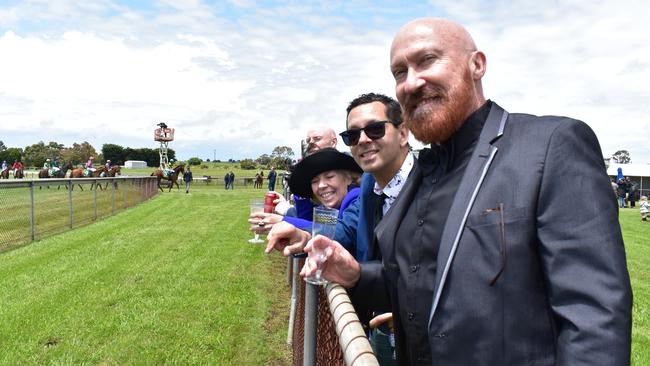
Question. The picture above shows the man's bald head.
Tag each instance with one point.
(320, 137)
(438, 72)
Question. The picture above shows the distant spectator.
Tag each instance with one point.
(272, 176)
(231, 180)
(644, 208)
(621, 191)
(187, 178)
(633, 193)
(226, 180)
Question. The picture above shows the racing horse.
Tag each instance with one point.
(19, 173)
(112, 172)
(173, 177)
(45, 173)
(80, 173)
(4, 174)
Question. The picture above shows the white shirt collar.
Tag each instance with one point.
(395, 185)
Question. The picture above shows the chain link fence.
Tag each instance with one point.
(34, 209)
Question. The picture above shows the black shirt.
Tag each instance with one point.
(419, 233)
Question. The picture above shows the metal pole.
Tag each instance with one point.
(32, 222)
(294, 298)
(95, 203)
(112, 201)
(70, 200)
(311, 309)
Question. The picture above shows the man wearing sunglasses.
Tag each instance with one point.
(490, 256)
(378, 141)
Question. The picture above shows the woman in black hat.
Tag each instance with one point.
(328, 177)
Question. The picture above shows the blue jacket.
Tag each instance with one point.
(348, 200)
(355, 230)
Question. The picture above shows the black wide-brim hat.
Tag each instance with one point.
(321, 161)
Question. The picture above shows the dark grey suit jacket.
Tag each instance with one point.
(531, 264)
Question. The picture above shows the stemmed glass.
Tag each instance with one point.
(257, 205)
(324, 223)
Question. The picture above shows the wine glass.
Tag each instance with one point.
(324, 223)
(256, 207)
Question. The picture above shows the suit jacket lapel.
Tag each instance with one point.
(473, 177)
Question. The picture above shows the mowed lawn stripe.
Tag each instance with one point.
(172, 281)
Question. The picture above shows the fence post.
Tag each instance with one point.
(311, 311)
(294, 297)
(112, 201)
(70, 200)
(32, 223)
(95, 203)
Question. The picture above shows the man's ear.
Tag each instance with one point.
(477, 65)
(403, 134)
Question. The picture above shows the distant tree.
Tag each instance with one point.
(35, 155)
(248, 164)
(264, 160)
(194, 161)
(622, 157)
(207, 160)
(2, 146)
(79, 153)
(11, 154)
(114, 153)
(280, 156)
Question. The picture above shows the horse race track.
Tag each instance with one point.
(172, 281)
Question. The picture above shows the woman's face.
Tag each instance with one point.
(330, 187)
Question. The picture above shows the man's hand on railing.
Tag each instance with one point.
(339, 265)
(286, 238)
(263, 222)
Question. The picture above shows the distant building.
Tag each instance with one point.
(135, 164)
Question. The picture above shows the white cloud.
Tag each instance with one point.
(105, 73)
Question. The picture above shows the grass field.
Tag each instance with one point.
(173, 281)
(637, 247)
(170, 282)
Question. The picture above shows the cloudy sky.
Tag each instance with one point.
(237, 78)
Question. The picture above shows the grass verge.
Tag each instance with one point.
(171, 282)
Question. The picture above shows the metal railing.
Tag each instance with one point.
(34, 209)
(324, 328)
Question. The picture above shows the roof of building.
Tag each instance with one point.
(629, 170)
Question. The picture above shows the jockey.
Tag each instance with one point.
(108, 165)
(52, 166)
(4, 165)
(16, 166)
(89, 166)
(167, 169)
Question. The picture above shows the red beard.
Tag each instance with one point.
(437, 119)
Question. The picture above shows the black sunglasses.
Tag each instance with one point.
(374, 131)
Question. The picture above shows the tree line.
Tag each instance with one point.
(36, 154)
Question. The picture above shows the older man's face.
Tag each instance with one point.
(319, 139)
(433, 81)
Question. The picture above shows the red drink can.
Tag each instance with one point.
(269, 205)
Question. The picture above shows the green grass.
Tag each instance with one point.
(637, 246)
(172, 281)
